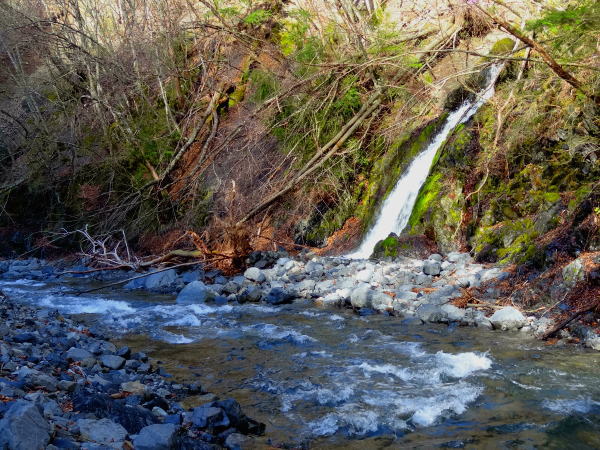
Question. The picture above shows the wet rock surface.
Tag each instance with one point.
(65, 386)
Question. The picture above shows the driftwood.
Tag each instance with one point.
(127, 280)
(563, 323)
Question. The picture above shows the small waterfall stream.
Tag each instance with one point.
(395, 212)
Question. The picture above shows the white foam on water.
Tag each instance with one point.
(462, 364)
(189, 320)
(454, 401)
(385, 369)
(581, 405)
(395, 212)
(85, 305)
(336, 318)
(314, 354)
(275, 332)
(22, 282)
(257, 308)
(309, 392)
(173, 338)
(368, 397)
(526, 386)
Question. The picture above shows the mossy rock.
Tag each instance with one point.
(409, 246)
(502, 46)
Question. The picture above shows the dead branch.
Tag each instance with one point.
(207, 113)
(563, 323)
(117, 283)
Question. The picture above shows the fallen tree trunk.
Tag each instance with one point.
(562, 324)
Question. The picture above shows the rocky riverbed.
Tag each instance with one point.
(424, 290)
(64, 386)
(339, 342)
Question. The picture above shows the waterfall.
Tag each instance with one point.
(396, 209)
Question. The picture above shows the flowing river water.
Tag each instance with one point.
(332, 378)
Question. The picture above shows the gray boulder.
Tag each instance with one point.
(160, 280)
(207, 416)
(195, 292)
(112, 361)
(251, 294)
(453, 313)
(78, 354)
(231, 287)
(381, 301)
(365, 275)
(365, 297)
(436, 257)
(573, 272)
(314, 268)
(278, 296)
(361, 297)
(23, 427)
(255, 274)
(103, 431)
(432, 268)
(155, 437)
(459, 258)
(431, 313)
(508, 318)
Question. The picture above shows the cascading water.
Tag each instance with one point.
(397, 207)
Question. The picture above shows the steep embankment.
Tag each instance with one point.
(288, 123)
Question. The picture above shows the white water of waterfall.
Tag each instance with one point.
(397, 207)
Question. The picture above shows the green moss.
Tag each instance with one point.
(503, 46)
(386, 248)
(264, 85)
(428, 193)
(387, 170)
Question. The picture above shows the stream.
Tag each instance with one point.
(331, 378)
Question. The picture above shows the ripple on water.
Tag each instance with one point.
(580, 405)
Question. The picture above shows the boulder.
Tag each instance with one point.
(231, 287)
(251, 294)
(453, 313)
(195, 292)
(431, 267)
(207, 416)
(160, 280)
(381, 301)
(237, 441)
(134, 387)
(436, 257)
(23, 427)
(365, 275)
(156, 437)
(314, 268)
(573, 272)
(431, 313)
(255, 274)
(103, 431)
(410, 246)
(278, 296)
(361, 297)
(508, 318)
(78, 354)
(112, 361)
(459, 258)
